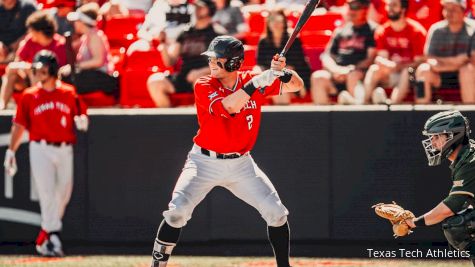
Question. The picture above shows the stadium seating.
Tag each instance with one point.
(250, 53)
(313, 55)
(315, 36)
(118, 57)
(98, 99)
(137, 68)
(256, 20)
(122, 31)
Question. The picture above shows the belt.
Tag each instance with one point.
(56, 144)
(213, 154)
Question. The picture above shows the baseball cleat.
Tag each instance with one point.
(49, 245)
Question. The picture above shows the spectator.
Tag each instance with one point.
(125, 8)
(447, 48)
(42, 35)
(13, 15)
(167, 18)
(425, 12)
(60, 9)
(93, 68)
(276, 36)
(347, 56)
(189, 46)
(400, 45)
(228, 15)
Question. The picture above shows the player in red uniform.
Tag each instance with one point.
(48, 111)
(228, 104)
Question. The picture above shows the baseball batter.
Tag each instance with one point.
(228, 104)
(48, 111)
(448, 137)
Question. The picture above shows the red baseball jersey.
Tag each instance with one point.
(403, 46)
(50, 115)
(221, 132)
(426, 12)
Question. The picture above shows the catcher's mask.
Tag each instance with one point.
(227, 47)
(454, 126)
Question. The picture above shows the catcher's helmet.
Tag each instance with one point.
(46, 58)
(227, 47)
(451, 123)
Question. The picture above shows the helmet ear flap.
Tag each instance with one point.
(233, 64)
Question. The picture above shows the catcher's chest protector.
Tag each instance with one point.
(460, 229)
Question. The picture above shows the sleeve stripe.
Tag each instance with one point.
(211, 104)
(462, 193)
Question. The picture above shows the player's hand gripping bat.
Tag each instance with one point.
(307, 12)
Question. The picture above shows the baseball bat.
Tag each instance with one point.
(306, 14)
(8, 185)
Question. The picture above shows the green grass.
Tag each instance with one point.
(188, 261)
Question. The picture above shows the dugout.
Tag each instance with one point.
(329, 164)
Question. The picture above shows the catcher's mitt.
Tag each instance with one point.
(397, 215)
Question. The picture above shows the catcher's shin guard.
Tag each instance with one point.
(166, 240)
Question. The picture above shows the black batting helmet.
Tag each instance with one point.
(46, 58)
(227, 47)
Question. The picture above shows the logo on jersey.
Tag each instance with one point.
(251, 104)
(212, 95)
(458, 183)
(50, 106)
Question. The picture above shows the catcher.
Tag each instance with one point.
(447, 137)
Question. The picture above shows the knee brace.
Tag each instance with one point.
(273, 211)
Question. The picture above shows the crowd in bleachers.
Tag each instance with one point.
(146, 53)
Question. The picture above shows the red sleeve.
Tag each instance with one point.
(274, 89)
(22, 116)
(23, 51)
(208, 99)
(379, 38)
(419, 42)
(79, 107)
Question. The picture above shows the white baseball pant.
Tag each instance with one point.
(241, 176)
(52, 171)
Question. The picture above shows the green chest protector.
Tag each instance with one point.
(460, 229)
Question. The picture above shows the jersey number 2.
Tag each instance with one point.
(249, 119)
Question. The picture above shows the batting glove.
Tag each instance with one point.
(264, 79)
(82, 122)
(10, 163)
